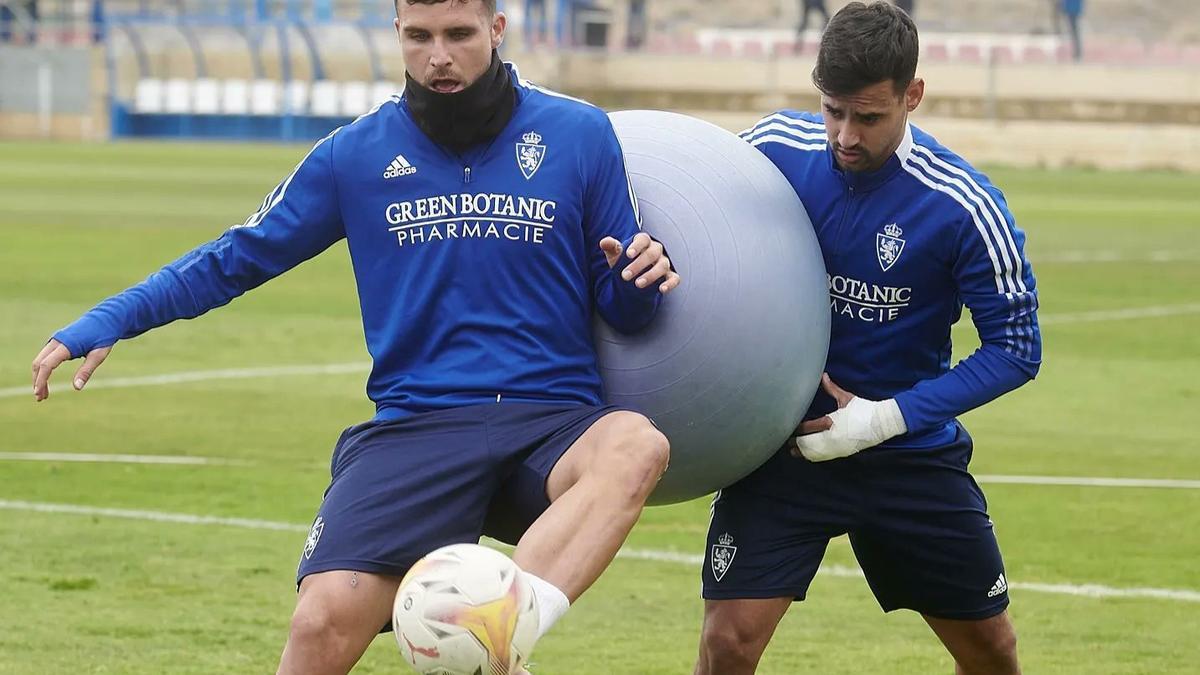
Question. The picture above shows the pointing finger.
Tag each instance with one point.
(612, 250)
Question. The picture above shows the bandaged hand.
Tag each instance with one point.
(857, 424)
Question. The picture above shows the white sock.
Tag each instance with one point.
(551, 602)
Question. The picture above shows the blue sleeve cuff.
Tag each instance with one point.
(624, 306)
(86, 333)
(904, 402)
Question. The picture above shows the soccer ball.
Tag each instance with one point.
(465, 610)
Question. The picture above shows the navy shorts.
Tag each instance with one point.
(403, 488)
(917, 521)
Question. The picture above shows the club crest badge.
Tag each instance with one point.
(889, 246)
(530, 154)
(314, 535)
(722, 555)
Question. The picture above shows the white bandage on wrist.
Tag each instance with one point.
(886, 420)
(552, 603)
(861, 424)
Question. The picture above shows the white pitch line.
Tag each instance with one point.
(118, 459)
(1087, 257)
(1124, 314)
(155, 516)
(1084, 481)
(205, 375)
(1077, 481)
(1152, 312)
(675, 557)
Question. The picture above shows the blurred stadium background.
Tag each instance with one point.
(1004, 85)
(151, 524)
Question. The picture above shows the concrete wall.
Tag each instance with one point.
(1022, 115)
(69, 79)
(1041, 142)
(997, 92)
(72, 105)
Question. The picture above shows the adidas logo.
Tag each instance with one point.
(399, 167)
(999, 587)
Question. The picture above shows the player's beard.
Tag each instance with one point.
(464, 118)
(863, 161)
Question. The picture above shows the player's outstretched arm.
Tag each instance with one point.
(55, 354)
(297, 220)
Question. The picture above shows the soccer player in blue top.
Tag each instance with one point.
(487, 219)
(910, 233)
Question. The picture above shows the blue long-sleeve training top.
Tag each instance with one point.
(905, 247)
(477, 275)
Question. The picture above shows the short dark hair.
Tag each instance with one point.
(866, 44)
(490, 4)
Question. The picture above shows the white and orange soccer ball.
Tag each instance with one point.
(465, 610)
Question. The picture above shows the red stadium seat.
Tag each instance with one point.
(753, 49)
(1035, 54)
(1002, 54)
(936, 52)
(970, 53)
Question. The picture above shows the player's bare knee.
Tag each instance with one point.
(993, 652)
(315, 623)
(638, 457)
(310, 620)
(727, 651)
(1001, 650)
(653, 450)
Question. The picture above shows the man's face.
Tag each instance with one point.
(866, 127)
(448, 45)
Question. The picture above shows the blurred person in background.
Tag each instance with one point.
(17, 15)
(1073, 10)
(635, 34)
(535, 22)
(1055, 16)
(807, 7)
(98, 21)
(910, 233)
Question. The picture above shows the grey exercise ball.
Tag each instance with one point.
(733, 359)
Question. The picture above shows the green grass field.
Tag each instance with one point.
(91, 592)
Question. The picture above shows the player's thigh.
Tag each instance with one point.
(614, 441)
(535, 441)
(399, 490)
(769, 531)
(929, 544)
(952, 576)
